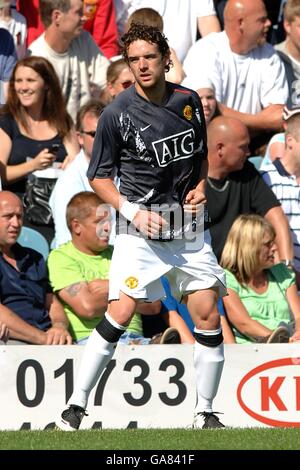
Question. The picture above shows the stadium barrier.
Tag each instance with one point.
(150, 386)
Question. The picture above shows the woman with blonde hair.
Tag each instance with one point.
(261, 294)
(35, 131)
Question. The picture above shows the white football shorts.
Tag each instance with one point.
(137, 265)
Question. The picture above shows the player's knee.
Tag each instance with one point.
(207, 320)
(123, 316)
(122, 311)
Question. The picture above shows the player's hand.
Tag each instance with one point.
(194, 201)
(149, 223)
(195, 196)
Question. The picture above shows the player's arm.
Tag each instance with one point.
(149, 223)
(107, 191)
(197, 195)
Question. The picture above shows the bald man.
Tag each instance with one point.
(28, 308)
(235, 187)
(247, 74)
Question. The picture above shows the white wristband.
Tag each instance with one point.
(129, 210)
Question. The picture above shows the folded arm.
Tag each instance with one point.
(270, 118)
(284, 242)
(87, 300)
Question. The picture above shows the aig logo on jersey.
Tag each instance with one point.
(173, 148)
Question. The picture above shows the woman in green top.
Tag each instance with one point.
(260, 293)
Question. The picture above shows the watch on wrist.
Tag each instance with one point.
(288, 263)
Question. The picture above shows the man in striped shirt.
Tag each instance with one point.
(283, 177)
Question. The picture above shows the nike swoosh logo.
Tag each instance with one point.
(142, 129)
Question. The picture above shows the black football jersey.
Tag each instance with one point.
(155, 150)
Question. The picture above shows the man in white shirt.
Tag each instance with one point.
(181, 19)
(247, 74)
(73, 179)
(78, 61)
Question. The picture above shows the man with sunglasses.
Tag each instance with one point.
(74, 180)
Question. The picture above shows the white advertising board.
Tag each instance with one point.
(150, 386)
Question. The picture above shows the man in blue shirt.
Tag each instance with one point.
(28, 307)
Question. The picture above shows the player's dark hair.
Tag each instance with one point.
(151, 34)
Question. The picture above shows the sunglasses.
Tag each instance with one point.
(91, 133)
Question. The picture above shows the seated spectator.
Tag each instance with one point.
(276, 147)
(73, 179)
(101, 24)
(209, 102)
(28, 307)
(8, 59)
(248, 76)
(275, 14)
(275, 9)
(16, 24)
(235, 187)
(35, 132)
(283, 177)
(78, 61)
(151, 17)
(289, 50)
(183, 20)
(261, 295)
(30, 10)
(118, 78)
(79, 271)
